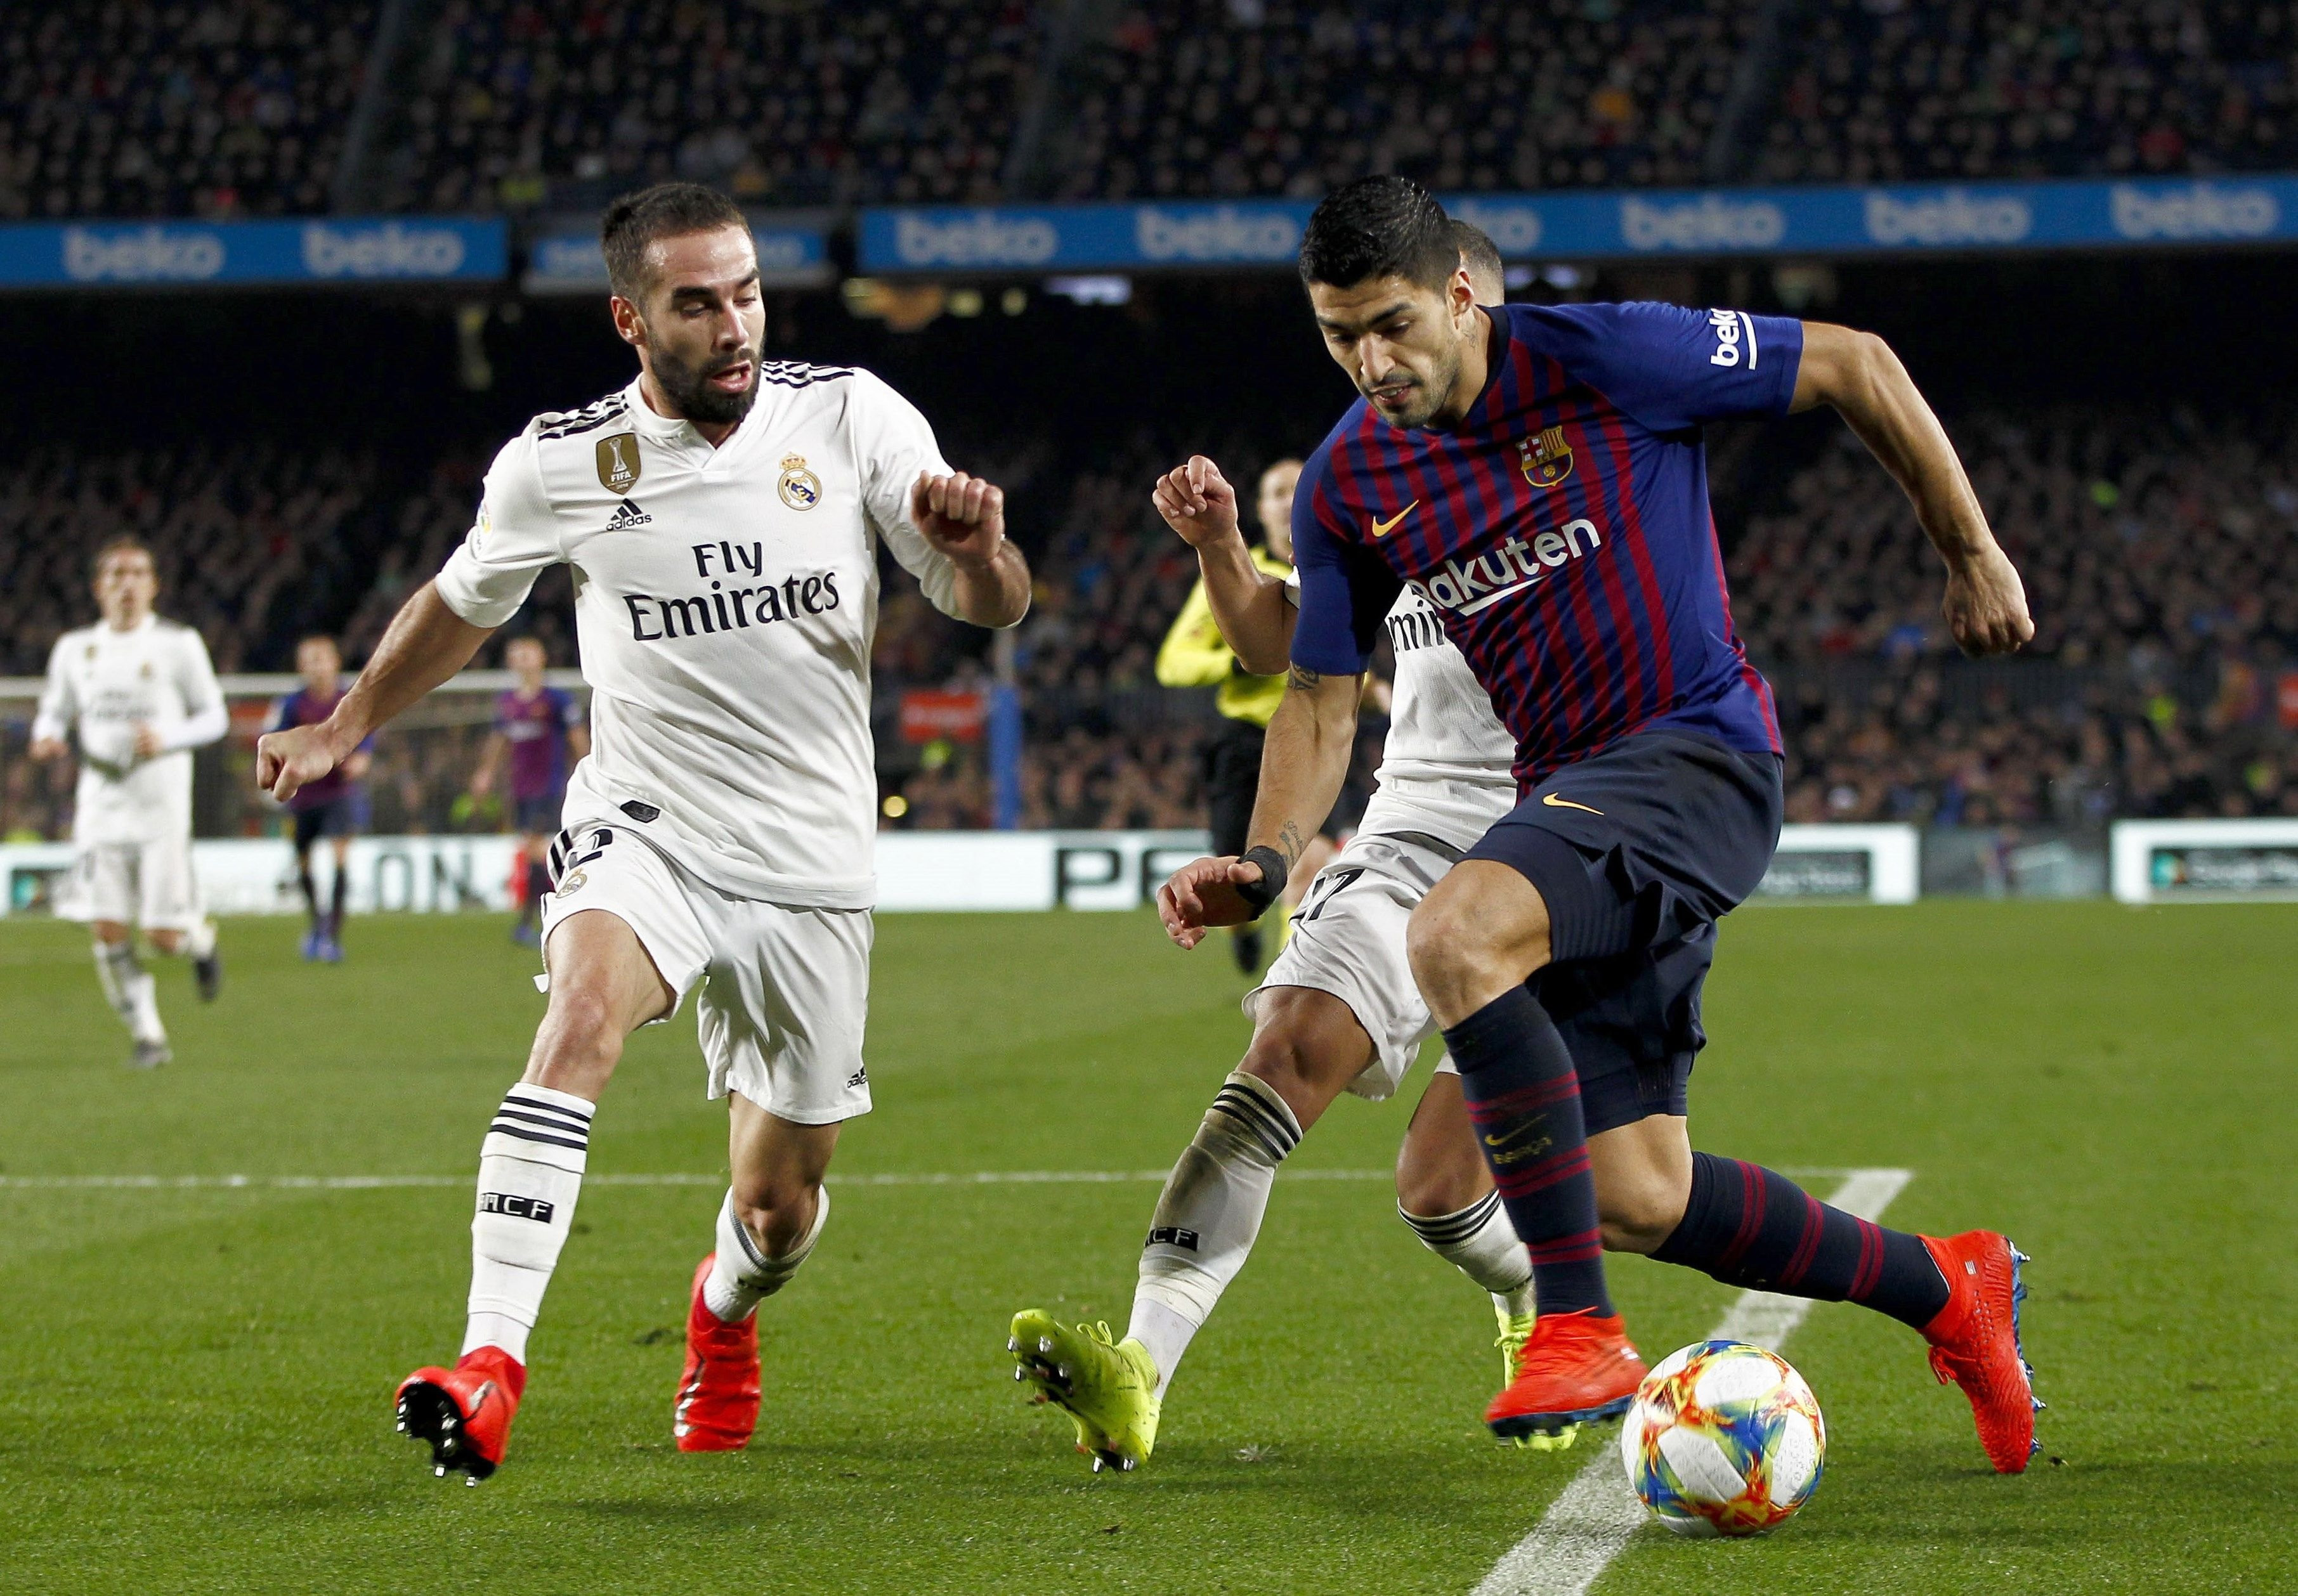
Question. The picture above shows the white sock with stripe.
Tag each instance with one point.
(130, 989)
(1209, 1215)
(742, 1276)
(1481, 1243)
(530, 1175)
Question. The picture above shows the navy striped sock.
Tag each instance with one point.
(1523, 1099)
(1746, 1226)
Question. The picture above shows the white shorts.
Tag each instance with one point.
(1348, 939)
(785, 991)
(150, 885)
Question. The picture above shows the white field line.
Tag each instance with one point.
(1590, 1524)
(986, 1177)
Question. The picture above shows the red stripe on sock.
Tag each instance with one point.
(1864, 1280)
(1524, 1100)
(1585, 1248)
(1751, 1214)
(1542, 1173)
(1815, 1222)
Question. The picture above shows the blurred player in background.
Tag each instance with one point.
(727, 514)
(139, 695)
(1196, 654)
(540, 729)
(334, 807)
(1337, 1012)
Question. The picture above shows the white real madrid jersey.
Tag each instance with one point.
(1445, 765)
(725, 600)
(102, 684)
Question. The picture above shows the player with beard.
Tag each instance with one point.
(1536, 474)
(724, 515)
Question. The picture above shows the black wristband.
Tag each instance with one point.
(1264, 891)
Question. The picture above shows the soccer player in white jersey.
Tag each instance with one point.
(139, 695)
(723, 517)
(1337, 1012)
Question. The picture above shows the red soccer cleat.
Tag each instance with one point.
(717, 1403)
(465, 1412)
(1975, 1342)
(1572, 1368)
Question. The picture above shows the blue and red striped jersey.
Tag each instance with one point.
(1561, 531)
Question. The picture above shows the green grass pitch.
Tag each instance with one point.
(195, 1383)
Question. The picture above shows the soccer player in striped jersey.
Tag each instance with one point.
(1536, 474)
(1337, 1013)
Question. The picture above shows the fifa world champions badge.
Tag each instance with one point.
(800, 489)
(618, 462)
(1546, 458)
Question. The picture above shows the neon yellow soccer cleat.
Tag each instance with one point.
(1108, 1388)
(1515, 1330)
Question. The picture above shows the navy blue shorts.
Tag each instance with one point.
(1637, 852)
(538, 816)
(342, 816)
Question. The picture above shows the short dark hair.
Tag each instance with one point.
(666, 210)
(326, 638)
(1478, 252)
(1379, 228)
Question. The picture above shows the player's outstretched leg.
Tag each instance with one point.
(1747, 1226)
(1307, 1046)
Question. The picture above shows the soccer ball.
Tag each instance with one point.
(1723, 1439)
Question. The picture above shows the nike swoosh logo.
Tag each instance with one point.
(1553, 802)
(1381, 529)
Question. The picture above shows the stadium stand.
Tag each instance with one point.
(253, 541)
(1285, 96)
(113, 108)
(803, 103)
(1877, 90)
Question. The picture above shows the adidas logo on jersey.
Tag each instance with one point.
(628, 515)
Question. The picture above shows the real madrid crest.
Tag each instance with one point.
(1546, 457)
(618, 461)
(800, 489)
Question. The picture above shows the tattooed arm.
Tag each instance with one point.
(1302, 765)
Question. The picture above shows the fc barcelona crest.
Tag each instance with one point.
(801, 490)
(618, 462)
(1546, 459)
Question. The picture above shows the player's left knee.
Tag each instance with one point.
(166, 942)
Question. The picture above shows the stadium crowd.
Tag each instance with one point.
(1291, 97)
(805, 104)
(129, 107)
(2162, 558)
(151, 108)
(1879, 90)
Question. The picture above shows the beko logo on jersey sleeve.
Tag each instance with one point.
(1733, 330)
(728, 608)
(1482, 580)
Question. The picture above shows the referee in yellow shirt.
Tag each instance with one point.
(1195, 655)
